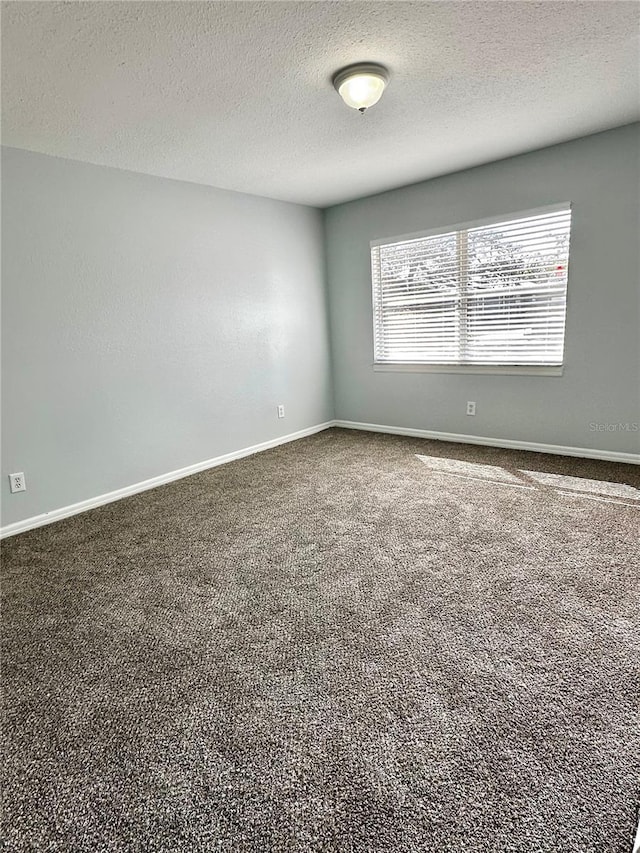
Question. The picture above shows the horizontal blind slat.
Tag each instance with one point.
(497, 295)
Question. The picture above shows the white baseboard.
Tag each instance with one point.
(586, 452)
(109, 497)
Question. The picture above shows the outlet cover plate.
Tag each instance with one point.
(17, 483)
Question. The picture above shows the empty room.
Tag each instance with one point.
(321, 426)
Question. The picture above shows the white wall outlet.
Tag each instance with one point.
(17, 482)
(471, 407)
(281, 411)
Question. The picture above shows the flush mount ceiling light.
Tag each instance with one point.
(361, 86)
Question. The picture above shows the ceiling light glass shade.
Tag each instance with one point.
(361, 86)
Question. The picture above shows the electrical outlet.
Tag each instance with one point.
(17, 482)
(471, 407)
(280, 411)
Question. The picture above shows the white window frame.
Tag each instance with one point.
(425, 367)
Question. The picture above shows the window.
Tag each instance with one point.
(490, 294)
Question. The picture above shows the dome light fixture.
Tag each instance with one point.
(361, 86)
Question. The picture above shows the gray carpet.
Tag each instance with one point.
(335, 645)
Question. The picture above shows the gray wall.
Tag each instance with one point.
(152, 324)
(600, 174)
(148, 325)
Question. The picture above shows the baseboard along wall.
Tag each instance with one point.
(153, 482)
(162, 479)
(556, 449)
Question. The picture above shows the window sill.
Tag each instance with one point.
(501, 369)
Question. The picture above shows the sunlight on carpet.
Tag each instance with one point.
(600, 490)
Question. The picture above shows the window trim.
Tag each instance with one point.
(425, 367)
(433, 367)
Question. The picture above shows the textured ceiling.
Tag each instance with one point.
(238, 94)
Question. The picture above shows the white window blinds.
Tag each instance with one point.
(492, 294)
